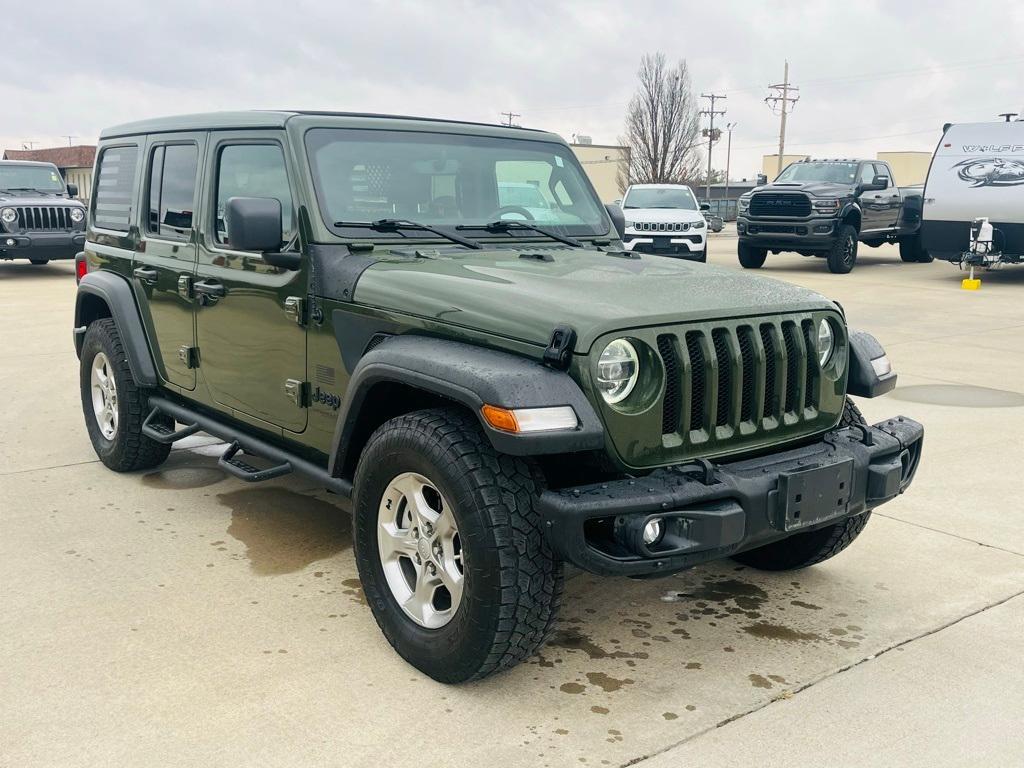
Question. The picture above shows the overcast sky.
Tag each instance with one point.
(873, 76)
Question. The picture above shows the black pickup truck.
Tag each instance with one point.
(824, 208)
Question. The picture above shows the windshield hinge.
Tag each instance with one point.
(558, 353)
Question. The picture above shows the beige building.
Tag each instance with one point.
(770, 163)
(601, 162)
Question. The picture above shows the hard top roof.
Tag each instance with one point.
(277, 119)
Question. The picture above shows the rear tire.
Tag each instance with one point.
(115, 406)
(39, 262)
(805, 549)
(511, 583)
(843, 253)
(750, 257)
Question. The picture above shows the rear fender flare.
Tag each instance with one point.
(116, 293)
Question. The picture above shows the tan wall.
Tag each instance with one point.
(601, 164)
(907, 167)
(770, 163)
(83, 178)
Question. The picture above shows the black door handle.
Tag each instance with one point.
(145, 274)
(208, 291)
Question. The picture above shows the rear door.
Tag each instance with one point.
(165, 259)
(253, 346)
(890, 196)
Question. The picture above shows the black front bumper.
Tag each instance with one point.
(41, 245)
(710, 511)
(811, 233)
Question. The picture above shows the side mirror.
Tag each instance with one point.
(618, 219)
(880, 182)
(72, 190)
(761, 179)
(705, 207)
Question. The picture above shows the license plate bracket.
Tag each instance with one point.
(815, 495)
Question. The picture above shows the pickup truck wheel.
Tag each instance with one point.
(113, 404)
(804, 549)
(912, 252)
(843, 254)
(449, 547)
(750, 257)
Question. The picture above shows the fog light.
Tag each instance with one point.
(10, 242)
(653, 531)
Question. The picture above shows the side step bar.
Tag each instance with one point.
(156, 431)
(285, 460)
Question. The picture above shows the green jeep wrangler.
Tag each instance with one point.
(354, 298)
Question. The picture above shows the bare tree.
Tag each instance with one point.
(662, 127)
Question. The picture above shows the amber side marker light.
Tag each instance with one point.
(524, 420)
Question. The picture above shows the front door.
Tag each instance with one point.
(166, 256)
(252, 346)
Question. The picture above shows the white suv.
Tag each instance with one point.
(664, 219)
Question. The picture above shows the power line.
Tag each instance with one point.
(710, 133)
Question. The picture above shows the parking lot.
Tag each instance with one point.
(184, 616)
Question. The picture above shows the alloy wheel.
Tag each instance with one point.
(104, 395)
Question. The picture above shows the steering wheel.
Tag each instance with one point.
(497, 214)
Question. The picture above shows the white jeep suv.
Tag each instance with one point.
(664, 219)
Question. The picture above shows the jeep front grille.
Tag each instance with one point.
(661, 226)
(784, 204)
(739, 380)
(44, 218)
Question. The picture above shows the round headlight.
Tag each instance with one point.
(617, 371)
(77, 214)
(8, 215)
(826, 342)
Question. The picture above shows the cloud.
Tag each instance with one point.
(872, 76)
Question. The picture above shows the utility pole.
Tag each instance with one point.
(29, 145)
(510, 116)
(781, 99)
(712, 136)
(1007, 116)
(69, 138)
(728, 159)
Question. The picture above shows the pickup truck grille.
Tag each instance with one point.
(740, 380)
(785, 204)
(44, 218)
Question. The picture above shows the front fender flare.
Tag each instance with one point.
(470, 376)
(116, 293)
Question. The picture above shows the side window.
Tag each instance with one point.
(867, 173)
(172, 189)
(115, 186)
(252, 170)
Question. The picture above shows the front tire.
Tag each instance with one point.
(449, 547)
(114, 406)
(843, 253)
(750, 257)
(805, 549)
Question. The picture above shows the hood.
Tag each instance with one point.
(812, 188)
(32, 197)
(662, 214)
(525, 297)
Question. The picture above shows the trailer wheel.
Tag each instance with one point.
(912, 252)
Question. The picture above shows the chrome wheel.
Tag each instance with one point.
(420, 550)
(104, 395)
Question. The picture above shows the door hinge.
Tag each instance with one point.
(189, 356)
(185, 286)
(297, 391)
(295, 309)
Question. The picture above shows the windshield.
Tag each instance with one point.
(446, 180)
(661, 197)
(44, 178)
(840, 173)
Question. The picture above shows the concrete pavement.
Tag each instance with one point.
(181, 617)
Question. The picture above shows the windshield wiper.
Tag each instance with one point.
(394, 225)
(504, 226)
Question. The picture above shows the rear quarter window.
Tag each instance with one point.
(115, 187)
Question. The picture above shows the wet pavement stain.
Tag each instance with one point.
(573, 640)
(670, 715)
(183, 478)
(759, 681)
(802, 604)
(606, 683)
(354, 589)
(572, 688)
(747, 597)
(284, 531)
(600, 710)
(778, 632)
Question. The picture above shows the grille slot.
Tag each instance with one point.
(724, 360)
(771, 380)
(698, 379)
(672, 409)
(784, 204)
(792, 373)
(747, 355)
(813, 369)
